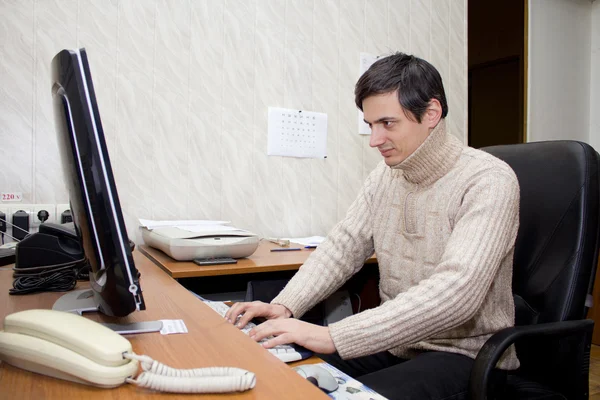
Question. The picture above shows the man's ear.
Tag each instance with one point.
(433, 114)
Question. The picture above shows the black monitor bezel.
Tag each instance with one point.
(92, 190)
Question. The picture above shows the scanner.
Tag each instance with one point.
(184, 245)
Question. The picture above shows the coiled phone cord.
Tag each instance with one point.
(161, 377)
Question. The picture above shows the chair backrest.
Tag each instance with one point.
(556, 251)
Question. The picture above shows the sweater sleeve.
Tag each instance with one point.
(333, 262)
(485, 229)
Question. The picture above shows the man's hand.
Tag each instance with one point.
(247, 311)
(291, 330)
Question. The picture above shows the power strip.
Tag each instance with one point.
(37, 215)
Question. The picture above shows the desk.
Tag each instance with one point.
(203, 346)
(233, 277)
(262, 260)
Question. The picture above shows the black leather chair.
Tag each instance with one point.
(554, 267)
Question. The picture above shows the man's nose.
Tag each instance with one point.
(377, 136)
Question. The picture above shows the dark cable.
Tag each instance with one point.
(84, 271)
(47, 278)
(57, 282)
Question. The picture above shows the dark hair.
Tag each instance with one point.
(415, 80)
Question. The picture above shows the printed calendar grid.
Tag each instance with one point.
(297, 133)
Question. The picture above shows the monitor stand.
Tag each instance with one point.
(80, 301)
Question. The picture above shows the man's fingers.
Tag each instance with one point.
(273, 327)
(244, 319)
(285, 331)
(277, 340)
(234, 311)
(242, 313)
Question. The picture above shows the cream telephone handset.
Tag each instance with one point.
(71, 347)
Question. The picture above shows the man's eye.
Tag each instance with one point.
(387, 124)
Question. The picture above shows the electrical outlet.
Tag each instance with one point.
(42, 213)
(4, 210)
(60, 208)
(12, 209)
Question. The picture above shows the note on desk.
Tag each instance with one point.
(297, 133)
(150, 224)
(171, 326)
(311, 241)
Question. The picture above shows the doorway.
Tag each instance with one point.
(496, 72)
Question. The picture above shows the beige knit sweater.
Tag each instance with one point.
(443, 225)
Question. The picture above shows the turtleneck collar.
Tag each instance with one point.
(433, 158)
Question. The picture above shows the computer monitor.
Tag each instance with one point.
(96, 211)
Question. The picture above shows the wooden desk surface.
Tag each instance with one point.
(262, 260)
(211, 341)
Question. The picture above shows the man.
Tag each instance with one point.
(442, 219)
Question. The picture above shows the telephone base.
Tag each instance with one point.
(78, 301)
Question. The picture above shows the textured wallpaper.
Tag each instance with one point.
(183, 88)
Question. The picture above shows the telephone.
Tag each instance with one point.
(71, 347)
(53, 244)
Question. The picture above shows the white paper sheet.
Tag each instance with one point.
(297, 133)
(171, 326)
(208, 228)
(311, 241)
(150, 224)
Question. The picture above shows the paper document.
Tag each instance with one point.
(297, 133)
(208, 228)
(349, 388)
(147, 223)
(311, 241)
(171, 326)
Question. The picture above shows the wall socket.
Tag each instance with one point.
(13, 208)
(15, 231)
(42, 213)
(60, 208)
(37, 212)
(4, 210)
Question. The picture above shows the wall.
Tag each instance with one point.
(183, 89)
(560, 69)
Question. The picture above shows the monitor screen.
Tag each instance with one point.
(96, 212)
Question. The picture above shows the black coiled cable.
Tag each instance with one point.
(47, 278)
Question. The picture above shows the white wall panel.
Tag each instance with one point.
(183, 88)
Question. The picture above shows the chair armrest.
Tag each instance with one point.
(497, 344)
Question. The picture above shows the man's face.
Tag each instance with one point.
(392, 132)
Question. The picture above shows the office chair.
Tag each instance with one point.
(556, 254)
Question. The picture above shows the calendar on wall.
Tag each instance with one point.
(297, 133)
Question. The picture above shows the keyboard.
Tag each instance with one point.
(285, 352)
